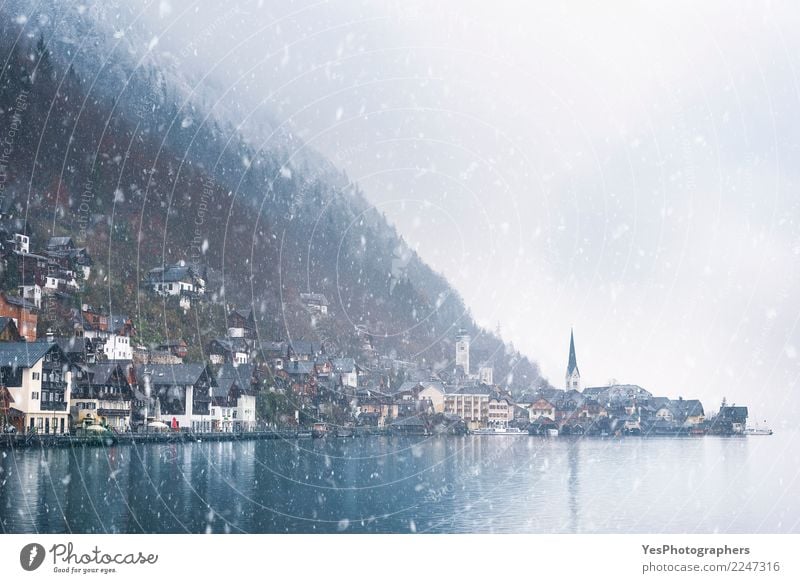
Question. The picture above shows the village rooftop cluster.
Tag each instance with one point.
(99, 376)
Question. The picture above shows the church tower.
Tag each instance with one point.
(573, 380)
(462, 350)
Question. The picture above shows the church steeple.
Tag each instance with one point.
(573, 378)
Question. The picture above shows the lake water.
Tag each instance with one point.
(482, 484)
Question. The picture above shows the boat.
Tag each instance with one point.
(304, 434)
(319, 430)
(499, 431)
(552, 432)
(344, 432)
(484, 431)
(757, 431)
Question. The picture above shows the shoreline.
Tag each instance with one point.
(12, 442)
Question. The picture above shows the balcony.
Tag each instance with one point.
(53, 406)
(114, 412)
(54, 386)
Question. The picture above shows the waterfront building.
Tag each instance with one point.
(102, 395)
(542, 408)
(183, 392)
(470, 402)
(38, 379)
(433, 391)
(501, 410)
(233, 399)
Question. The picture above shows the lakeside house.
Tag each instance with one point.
(38, 379)
(182, 391)
(102, 394)
(233, 399)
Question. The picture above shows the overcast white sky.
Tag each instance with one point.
(628, 170)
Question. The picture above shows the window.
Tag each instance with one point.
(35, 376)
(34, 397)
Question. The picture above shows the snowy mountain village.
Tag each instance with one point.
(100, 379)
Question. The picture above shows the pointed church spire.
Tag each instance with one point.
(573, 380)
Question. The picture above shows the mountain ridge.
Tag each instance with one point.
(147, 183)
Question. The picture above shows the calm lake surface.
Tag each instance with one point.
(516, 484)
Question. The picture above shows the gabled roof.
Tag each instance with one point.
(19, 302)
(24, 354)
(436, 385)
(56, 242)
(228, 374)
(244, 313)
(101, 374)
(116, 323)
(689, 407)
(344, 365)
(171, 273)
(406, 387)
(172, 374)
(304, 347)
(6, 322)
(71, 344)
(299, 367)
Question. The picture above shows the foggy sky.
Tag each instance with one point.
(629, 172)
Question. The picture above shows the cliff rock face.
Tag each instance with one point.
(107, 142)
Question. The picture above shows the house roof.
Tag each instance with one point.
(101, 373)
(304, 347)
(406, 387)
(59, 242)
(245, 313)
(229, 374)
(300, 367)
(172, 374)
(689, 407)
(344, 365)
(471, 389)
(116, 323)
(436, 385)
(19, 302)
(23, 354)
(71, 344)
(171, 273)
(5, 321)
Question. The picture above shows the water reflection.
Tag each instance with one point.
(393, 484)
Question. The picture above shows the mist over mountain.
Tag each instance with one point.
(117, 149)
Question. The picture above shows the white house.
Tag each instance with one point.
(38, 378)
(347, 371)
(22, 243)
(175, 280)
(32, 293)
(183, 392)
(233, 405)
